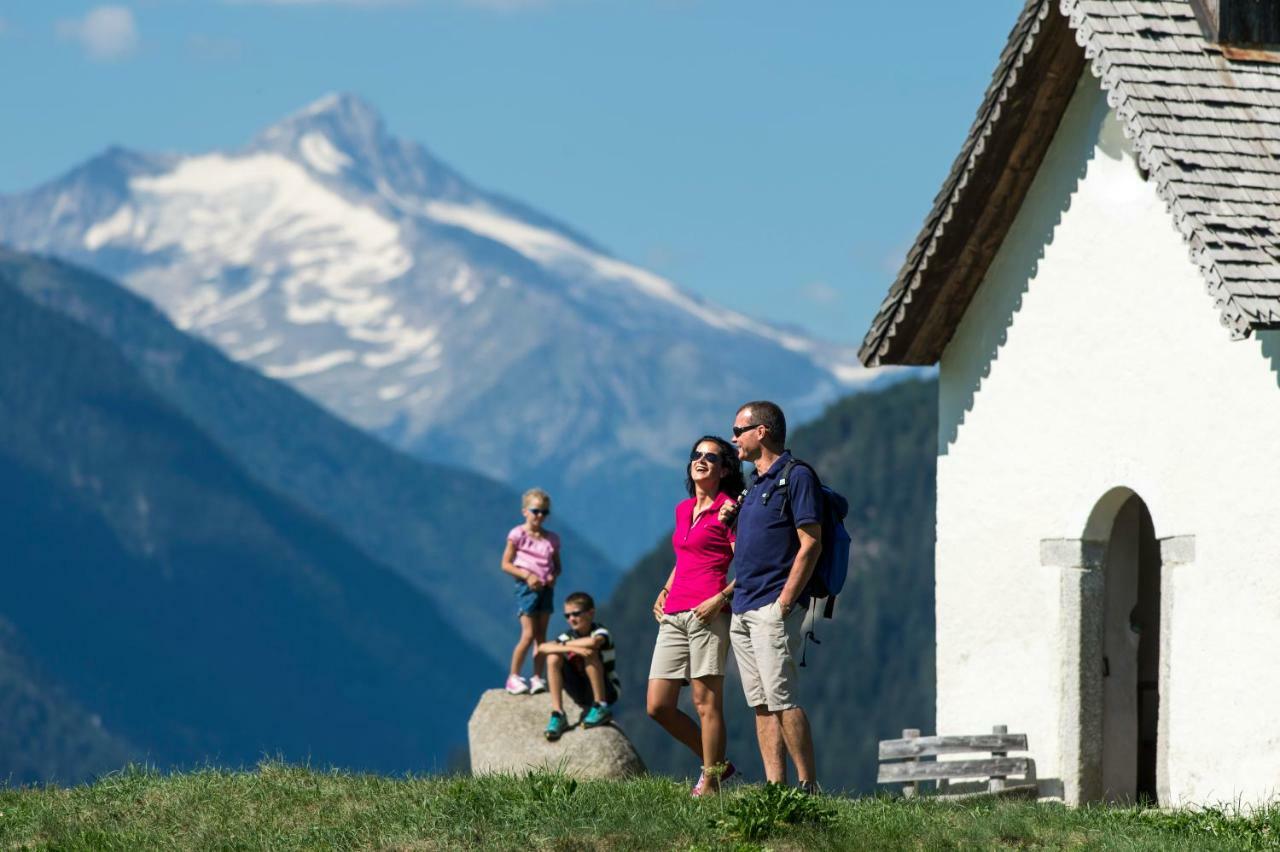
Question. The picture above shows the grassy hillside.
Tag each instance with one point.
(873, 674)
(285, 808)
(442, 528)
(198, 614)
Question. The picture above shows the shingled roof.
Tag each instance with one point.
(1204, 120)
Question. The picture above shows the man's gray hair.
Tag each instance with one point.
(769, 414)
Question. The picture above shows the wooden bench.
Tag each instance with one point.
(997, 768)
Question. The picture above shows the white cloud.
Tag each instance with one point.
(105, 33)
(820, 293)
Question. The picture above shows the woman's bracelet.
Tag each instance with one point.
(666, 590)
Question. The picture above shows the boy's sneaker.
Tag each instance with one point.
(599, 714)
(701, 789)
(517, 685)
(556, 725)
(537, 685)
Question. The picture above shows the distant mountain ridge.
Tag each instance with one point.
(194, 613)
(442, 529)
(456, 323)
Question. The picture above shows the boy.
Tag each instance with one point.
(580, 662)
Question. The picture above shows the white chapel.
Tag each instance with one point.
(1099, 284)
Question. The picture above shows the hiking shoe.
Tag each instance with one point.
(556, 725)
(599, 714)
(701, 788)
(517, 685)
(537, 685)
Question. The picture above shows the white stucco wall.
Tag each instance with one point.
(1090, 358)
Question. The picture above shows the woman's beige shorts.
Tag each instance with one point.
(687, 648)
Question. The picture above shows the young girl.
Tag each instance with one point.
(532, 557)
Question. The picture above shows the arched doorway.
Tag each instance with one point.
(1115, 617)
(1130, 671)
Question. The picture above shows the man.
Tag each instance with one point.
(779, 540)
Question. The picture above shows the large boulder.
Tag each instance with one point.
(506, 737)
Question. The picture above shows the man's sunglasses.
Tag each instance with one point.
(540, 512)
(575, 613)
(738, 430)
(714, 458)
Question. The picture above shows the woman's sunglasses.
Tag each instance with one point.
(541, 513)
(714, 458)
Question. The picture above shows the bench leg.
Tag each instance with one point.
(996, 784)
(909, 789)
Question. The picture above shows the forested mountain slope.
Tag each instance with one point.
(197, 614)
(873, 673)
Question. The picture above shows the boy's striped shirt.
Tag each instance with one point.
(608, 654)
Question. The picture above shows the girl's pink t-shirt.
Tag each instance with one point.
(704, 549)
(534, 553)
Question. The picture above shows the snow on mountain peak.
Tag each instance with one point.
(329, 134)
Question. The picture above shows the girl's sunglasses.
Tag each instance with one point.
(541, 513)
(714, 458)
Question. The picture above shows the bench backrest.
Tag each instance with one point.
(912, 747)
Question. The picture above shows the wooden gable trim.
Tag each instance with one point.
(972, 215)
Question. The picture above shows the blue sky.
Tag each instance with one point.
(775, 157)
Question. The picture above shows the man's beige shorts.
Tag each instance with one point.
(764, 646)
(687, 648)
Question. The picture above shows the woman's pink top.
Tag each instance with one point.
(704, 549)
(534, 553)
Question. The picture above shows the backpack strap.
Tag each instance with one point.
(784, 478)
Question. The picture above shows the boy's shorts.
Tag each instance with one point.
(688, 648)
(764, 644)
(578, 687)
(532, 601)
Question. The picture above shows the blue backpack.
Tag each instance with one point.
(833, 564)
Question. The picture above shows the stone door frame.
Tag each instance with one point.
(1082, 586)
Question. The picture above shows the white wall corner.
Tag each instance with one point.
(1178, 550)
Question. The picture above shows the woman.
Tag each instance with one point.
(693, 636)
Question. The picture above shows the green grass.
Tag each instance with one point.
(286, 807)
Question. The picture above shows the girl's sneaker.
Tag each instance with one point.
(536, 685)
(701, 788)
(517, 685)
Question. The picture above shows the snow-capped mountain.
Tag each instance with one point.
(456, 323)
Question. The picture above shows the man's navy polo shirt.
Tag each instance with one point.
(767, 540)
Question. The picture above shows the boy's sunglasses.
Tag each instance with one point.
(738, 430)
(714, 458)
(540, 512)
(575, 613)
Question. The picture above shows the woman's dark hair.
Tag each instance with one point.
(731, 481)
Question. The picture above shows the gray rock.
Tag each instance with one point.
(505, 732)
